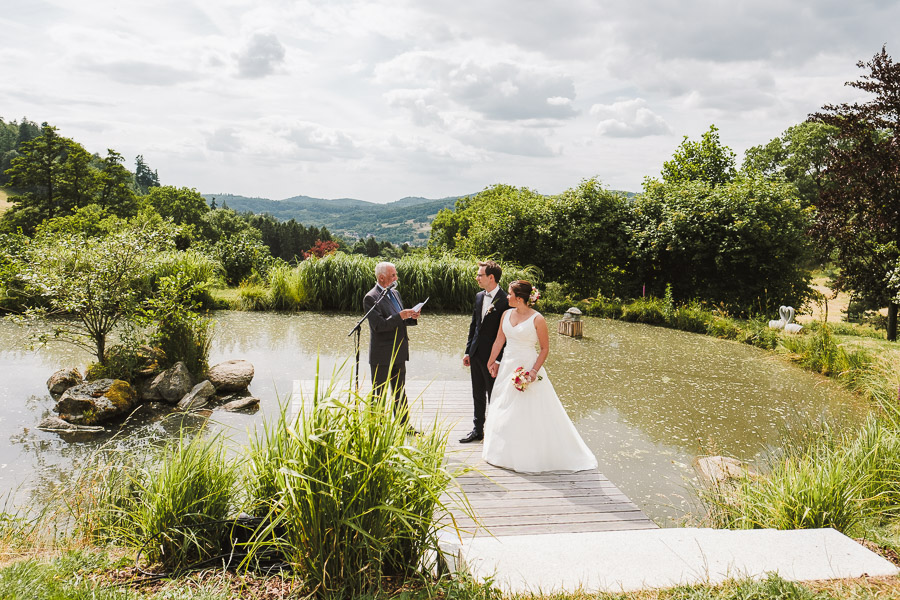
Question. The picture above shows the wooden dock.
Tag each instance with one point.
(510, 503)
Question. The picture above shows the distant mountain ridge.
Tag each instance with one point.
(407, 220)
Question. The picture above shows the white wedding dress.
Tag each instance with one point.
(529, 431)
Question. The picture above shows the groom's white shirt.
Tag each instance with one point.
(488, 298)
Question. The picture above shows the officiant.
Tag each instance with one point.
(388, 338)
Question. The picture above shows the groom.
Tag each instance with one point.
(489, 306)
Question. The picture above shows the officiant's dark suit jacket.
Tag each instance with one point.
(387, 330)
(482, 334)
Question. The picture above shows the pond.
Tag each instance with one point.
(647, 400)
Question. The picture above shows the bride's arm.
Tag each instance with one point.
(493, 365)
(540, 325)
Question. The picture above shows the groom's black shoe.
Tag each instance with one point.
(474, 436)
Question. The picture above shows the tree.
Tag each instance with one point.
(115, 190)
(37, 171)
(799, 157)
(859, 209)
(144, 178)
(96, 280)
(577, 238)
(740, 244)
(707, 160)
(185, 206)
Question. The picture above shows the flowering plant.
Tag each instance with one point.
(520, 379)
(535, 296)
(491, 307)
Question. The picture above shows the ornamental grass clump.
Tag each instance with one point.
(349, 496)
(844, 482)
(171, 506)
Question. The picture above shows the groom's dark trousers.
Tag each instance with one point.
(482, 333)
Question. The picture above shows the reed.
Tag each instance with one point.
(171, 505)
(340, 281)
(349, 496)
(286, 291)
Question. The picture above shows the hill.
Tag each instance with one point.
(407, 220)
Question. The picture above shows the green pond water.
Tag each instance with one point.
(647, 400)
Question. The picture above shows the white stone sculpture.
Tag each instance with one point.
(786, 321)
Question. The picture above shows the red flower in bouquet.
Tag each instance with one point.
(520, 379)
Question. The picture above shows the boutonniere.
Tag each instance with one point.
(491, 307)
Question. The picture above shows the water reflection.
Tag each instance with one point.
(646, 400)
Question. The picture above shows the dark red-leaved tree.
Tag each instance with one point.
(322, 248)
(859, 209)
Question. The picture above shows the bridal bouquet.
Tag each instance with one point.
(520, 379)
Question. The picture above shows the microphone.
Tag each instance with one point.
(393, 285)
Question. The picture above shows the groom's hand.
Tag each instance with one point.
(466, 362)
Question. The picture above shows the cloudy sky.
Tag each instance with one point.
(381, 100)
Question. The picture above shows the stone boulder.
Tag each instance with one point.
(170, 386)
(58, 425)
(62, 380)
(231, 376)
(241, 404)
(96, 401)
(197, 397)
(716, 470)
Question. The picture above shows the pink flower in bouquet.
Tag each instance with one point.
(520, 379)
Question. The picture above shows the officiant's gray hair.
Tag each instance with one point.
(381, 268)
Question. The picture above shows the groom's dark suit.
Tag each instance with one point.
(388, 342)
(482, 333)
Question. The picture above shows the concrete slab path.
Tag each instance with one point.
(617, 561)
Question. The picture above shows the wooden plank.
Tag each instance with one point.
(510, 503)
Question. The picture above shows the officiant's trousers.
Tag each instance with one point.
(395, 375)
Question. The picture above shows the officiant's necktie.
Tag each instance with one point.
(395, 301)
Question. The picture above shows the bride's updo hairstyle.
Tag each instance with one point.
(521, 289)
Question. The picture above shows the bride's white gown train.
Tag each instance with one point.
(529, 431)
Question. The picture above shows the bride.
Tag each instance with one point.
(527, 429)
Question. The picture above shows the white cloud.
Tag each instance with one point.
(380, 100)
(629, 119)
(261, 55)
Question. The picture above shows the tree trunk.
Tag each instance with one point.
(892, 323)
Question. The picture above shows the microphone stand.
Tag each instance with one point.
(358, 330)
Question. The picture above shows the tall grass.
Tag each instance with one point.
(171, 505)
(350, 497)
(286, 291)
(841, 481)
(340, 281)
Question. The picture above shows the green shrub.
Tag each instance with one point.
(354, 496)
(200, 269)
(645, 310)
(690, 317)
(181, 333)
